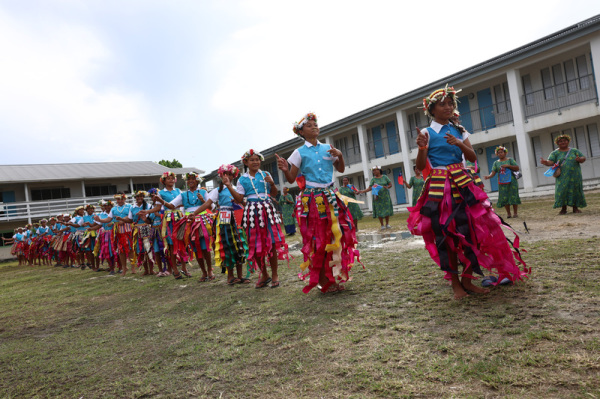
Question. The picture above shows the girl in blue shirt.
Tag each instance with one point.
(142, 233)
(229, 243)
(89, 241)
(453, 214)
(169, 219)
(328, 232)
(120, 215)
(261, 221)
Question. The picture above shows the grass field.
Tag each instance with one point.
(395, 331)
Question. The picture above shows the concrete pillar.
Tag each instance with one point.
(527, 157)
(83, 190)
(131, 185)
(364, 155)
(595, 50)
(27, 202)
(282, 180)
(403, 127)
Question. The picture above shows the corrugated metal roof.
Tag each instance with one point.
(179, 171)
(78, 171)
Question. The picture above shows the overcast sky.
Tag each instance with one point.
(203, 81)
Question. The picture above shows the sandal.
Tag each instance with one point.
(245, 281)
(233, 281)
(275, 284)
(211, 278)
(262, 284)
(203, 279)
(178, 276)
(187, 274)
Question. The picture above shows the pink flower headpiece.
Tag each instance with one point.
(440, 95)
(167, 174)
(226, 168)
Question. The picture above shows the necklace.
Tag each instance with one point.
(195, 197)
(265, 183)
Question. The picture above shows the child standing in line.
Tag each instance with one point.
(261, 220)
(328, 231)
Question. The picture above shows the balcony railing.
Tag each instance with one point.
(351, 155)
(487, 118)
(33, 210)
(384, 146)
(552, 98)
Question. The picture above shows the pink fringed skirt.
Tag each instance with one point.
(454, 215)
(263, 231)
(328, 237)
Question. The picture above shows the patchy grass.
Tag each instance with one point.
(395, 332)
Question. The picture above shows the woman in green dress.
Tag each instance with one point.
(355, 210)
(508, 186)
(287, 209)
(568, 189)
(382, 203)
(416, 182)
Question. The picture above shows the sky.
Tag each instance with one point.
(203, 81)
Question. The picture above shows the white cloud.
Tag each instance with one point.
(48, 102)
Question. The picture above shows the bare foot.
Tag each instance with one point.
(468, 285)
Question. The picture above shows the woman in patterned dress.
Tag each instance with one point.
(508, 187)
(382, 202)
(287, 210)
(350, 191)
(416, 182)
(569, 185)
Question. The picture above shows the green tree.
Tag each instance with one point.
(170, 164)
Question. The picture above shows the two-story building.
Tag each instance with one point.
(521, 99)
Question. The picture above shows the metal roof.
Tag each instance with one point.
(79, 171)
(180, 171)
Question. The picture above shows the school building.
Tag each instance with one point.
(29, 193)
(521, 99)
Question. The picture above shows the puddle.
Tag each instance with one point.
(375, 240)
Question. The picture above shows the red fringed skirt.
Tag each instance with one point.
(454, 215)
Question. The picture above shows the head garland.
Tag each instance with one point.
(500, 148)
(120, 196)
(109, 203)
(60, 216)
(52, 219)
(164, 176)
(28, 226)
(189, 175)
(101, 202)
(44, 221)
(376, 167)
(152, 191)
(20, 228)
(227, 168)
(36, 225)
(251, 152)
(439, 95)
(562, 136)
(140, 193)
(299, 125)
(67, 215)
(88, 206)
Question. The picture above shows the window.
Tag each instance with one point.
(392, 137)
(582, 70)
(536, 143)
(559, 80)
(502, 97)
(594, 140)
(141, 186)
(570, 75)
(342, 145)
(527, 89)
(547, 84)
(96, 191)
(579, 139)
(414, 121)
(50, 194)
(355, 143)
(272, 169)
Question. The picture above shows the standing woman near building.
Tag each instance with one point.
(382, 202)
(568, 189)
(328, 234)
(452, 214)
(350, 191)
(508, 186)
(416, 182)
(121, 216)
(90, 237)
(287, 210)
(230, 244)
(141, 234)
(261, 221)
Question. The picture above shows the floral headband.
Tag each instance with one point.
(90, 206)
(500, 148)
(44, 220)
(167, 174)
(186, 176)
(28, 226)
(251, 152)
(119, 196)
(152, 191)
(376, 167)
(109, 203)
(141, 193)
(440, 95)
(299, 125)
(562, 136)
(226, 168)
(53, 219)
(78, 208)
